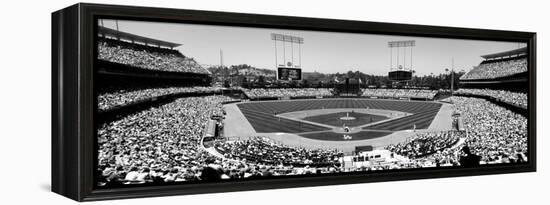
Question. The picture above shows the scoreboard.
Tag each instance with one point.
(400, 75)
(286, 73)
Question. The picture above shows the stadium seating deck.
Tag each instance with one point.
(400, 93)
(497, 69)
(146, 57)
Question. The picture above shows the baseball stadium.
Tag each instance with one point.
(164, 117)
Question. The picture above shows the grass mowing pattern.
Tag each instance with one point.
(261, 115)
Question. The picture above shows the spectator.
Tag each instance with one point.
(262, 150)
(288, 92)
(111, 100)
(491, 70)
(166, 138)
(517, 99)
(146, 57)
(494, 133)
(400, 93)
(425, 144)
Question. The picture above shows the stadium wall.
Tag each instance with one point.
(517, 83)
(124, 76)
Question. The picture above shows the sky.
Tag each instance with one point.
(325, 52)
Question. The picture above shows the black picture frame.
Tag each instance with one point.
(73, 101)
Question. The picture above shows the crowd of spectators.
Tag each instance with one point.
(494, 133)
(424, 144)
(146, 57)
(160, 143)
(288, 92)
(263, 150)
(497, 69)
(399, 93)
(110, 100)
(515, 98)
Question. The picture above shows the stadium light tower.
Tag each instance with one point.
(452, 75)
(288, 70)
(401, 72)
(398, 45)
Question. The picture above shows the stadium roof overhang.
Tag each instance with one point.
(108, 32)
(518, 51)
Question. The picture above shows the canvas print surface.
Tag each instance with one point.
(189, 103)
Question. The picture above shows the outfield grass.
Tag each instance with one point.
(262, 115)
